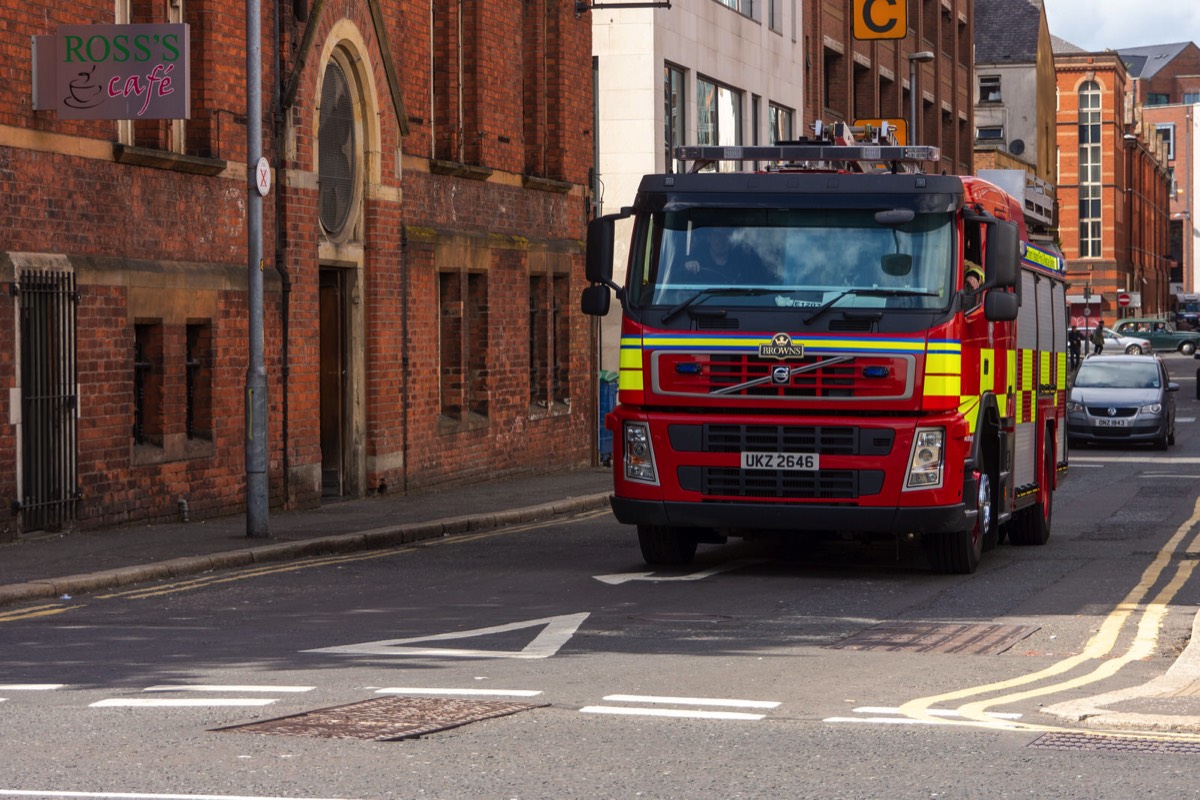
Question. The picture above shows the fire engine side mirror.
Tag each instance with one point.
(600, 250)
(1003, 267)
(1001, 306)
(596, 300)
(600, 232)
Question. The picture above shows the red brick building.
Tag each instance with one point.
(422, 256)
(1167, 90)
(1113, 192)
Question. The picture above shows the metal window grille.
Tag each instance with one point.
(47, 306)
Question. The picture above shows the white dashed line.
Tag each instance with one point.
(117, 702)
(691, 701)
(474, 692)
(199, 688)
(668, 712)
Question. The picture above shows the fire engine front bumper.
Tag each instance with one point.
(794, 517)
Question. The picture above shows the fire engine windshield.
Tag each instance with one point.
(794, 258)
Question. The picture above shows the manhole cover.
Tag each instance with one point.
(1129, 744)
(937, 637)
(386, 719)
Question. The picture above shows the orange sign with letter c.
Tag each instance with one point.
(880, 19)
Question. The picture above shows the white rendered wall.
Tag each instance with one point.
(703, 38)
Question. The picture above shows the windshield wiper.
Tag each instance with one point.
(868, 293)
(707, 293)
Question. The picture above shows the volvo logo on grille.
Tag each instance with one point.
(781, 347)
(781, 374)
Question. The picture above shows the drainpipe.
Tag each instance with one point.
(280, 244)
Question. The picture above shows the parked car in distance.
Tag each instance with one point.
(1131, 345)
(1122, 398)
(1162, 334)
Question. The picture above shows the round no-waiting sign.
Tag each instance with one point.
(262, 176)
(1124, 299)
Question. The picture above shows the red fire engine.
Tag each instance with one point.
(803, 351)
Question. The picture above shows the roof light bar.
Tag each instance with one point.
(810, 152)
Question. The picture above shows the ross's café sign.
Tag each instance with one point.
(113, 72)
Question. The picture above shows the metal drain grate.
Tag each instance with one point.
(939, 637)
(1129, 744)
(386, 719)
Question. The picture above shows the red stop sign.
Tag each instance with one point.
(1123, 300)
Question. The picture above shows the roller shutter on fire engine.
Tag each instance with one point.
(880, 19)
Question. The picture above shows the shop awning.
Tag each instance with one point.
(1077, 299)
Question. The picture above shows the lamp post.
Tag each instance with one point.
(922, 57)
(1087, 317)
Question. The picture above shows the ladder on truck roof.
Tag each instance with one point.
(833, 148)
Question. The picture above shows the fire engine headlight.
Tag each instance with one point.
(925, 466)
(639, 455)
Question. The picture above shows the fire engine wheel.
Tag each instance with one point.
(958, 552)
(1031, 525)
(666, 545)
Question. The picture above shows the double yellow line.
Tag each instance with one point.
(1143, 603)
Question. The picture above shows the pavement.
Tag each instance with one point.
(39, 566)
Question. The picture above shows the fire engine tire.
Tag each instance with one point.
(958, 552)
(1031, 525)
(666, 545)
(955, 553)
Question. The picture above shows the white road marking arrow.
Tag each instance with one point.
(556, 632)
(625, 577)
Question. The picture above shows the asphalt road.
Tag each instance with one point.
(844, 672)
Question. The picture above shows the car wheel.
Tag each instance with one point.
(1134, 350)
(1187, 348)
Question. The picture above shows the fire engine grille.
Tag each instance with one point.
(780, 439)
(832, 440)
(832, 484)
(859, 377)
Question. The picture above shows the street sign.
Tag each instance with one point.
(262, 176)
(1123, 299)
(880, 19)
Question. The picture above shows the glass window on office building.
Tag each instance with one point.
(1089, 171)
(1166, 132)
(1158, 99)
(744, 7)
(1191, 98)
(780, 120)
(989, 88)
(718, 116)
(674, 108)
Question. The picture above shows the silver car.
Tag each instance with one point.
(1133, 345)
(1122, 398)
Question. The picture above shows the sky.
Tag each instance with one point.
(1117, 24)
